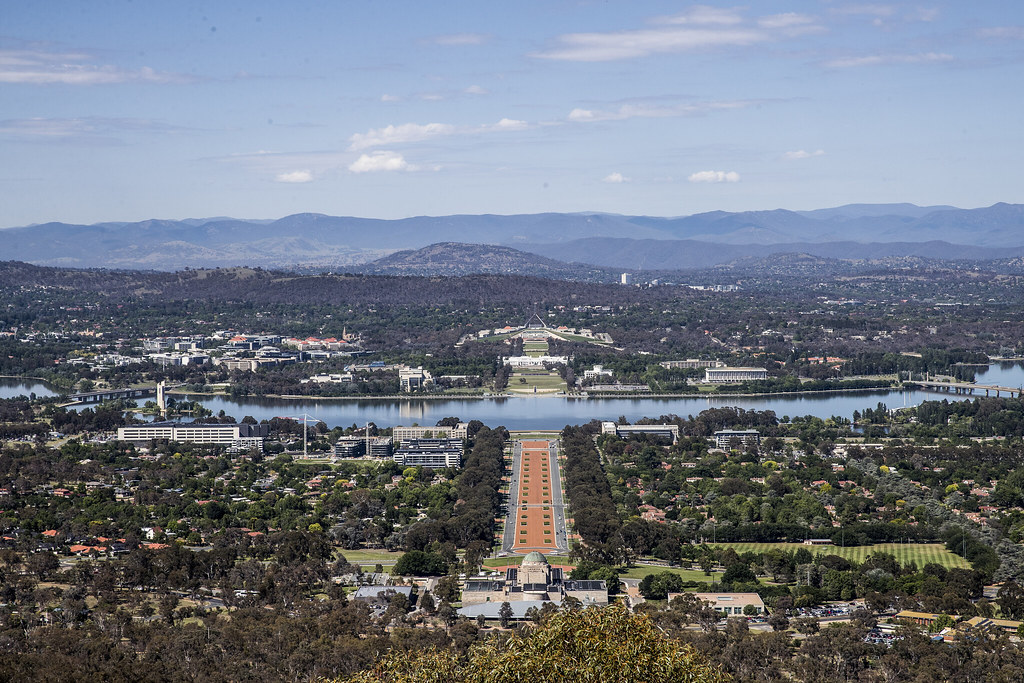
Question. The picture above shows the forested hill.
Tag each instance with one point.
(272, 287)
(457, 258)
(606, 240)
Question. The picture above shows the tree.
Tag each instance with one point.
(778, 621)
(505, 614)
(738, 573)
(419, 563)
(1011, 600)
(591, 645)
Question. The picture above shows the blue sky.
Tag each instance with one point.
(115, 111)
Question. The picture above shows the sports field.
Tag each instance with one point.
(921, 553)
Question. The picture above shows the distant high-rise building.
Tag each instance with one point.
(626, 278)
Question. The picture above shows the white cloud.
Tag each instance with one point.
(925, 14)
(414, 132)
(390, 98)
(90, 129)
(461, 39)
(714, 177)
(889, 60)
(391, 135)
(46, 68)
(1002, 32)
(616, 178)
(632, 111)
(507, 124)
(704, 16)
(698, 30)
(295, 177)
(476, 90)
(876, 10)
(603, 47)
(786, 20)
(380, 161)
(803, 154)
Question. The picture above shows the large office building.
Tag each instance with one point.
(664, 431)
(350, 447)
(725, 438)
(435, 453)
(414, 378)
(725, 375)
(239, 436)
(380, 447)
(403, 434)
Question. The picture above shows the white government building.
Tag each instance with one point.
(236, 435)
(724, 375)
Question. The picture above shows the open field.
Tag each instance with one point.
(642, 570)
(578, 338)
(921, 553)
(371, 557)
(544, 383)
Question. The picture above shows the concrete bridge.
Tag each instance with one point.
(969, 388)
(111, 395)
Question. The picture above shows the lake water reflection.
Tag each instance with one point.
(556, 412)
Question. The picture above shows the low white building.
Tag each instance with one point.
(333, 378)
(730, 604)
(597, 371)
(414, 378)
(534, 361)
(726, 375)
(236, 435)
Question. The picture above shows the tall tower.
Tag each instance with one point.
(161, 401)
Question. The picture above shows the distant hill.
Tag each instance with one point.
(456, 258)
(317, 241)
(634, 254)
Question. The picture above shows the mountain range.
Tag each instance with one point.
(316, 241)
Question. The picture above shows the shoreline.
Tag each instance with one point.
(577, 397)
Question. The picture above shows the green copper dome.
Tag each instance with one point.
(534, 556)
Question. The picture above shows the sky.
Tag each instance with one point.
(124, 111)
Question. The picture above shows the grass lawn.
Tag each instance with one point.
(371, 557)
(642, 570)
(518, 559)
(578, 338)
(549, 383)
(921, 553)
(326, 460)
(534, 436)
(535, 349)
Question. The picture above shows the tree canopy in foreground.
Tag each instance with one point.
(583, 646)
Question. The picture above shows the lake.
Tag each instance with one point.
(554, 412)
